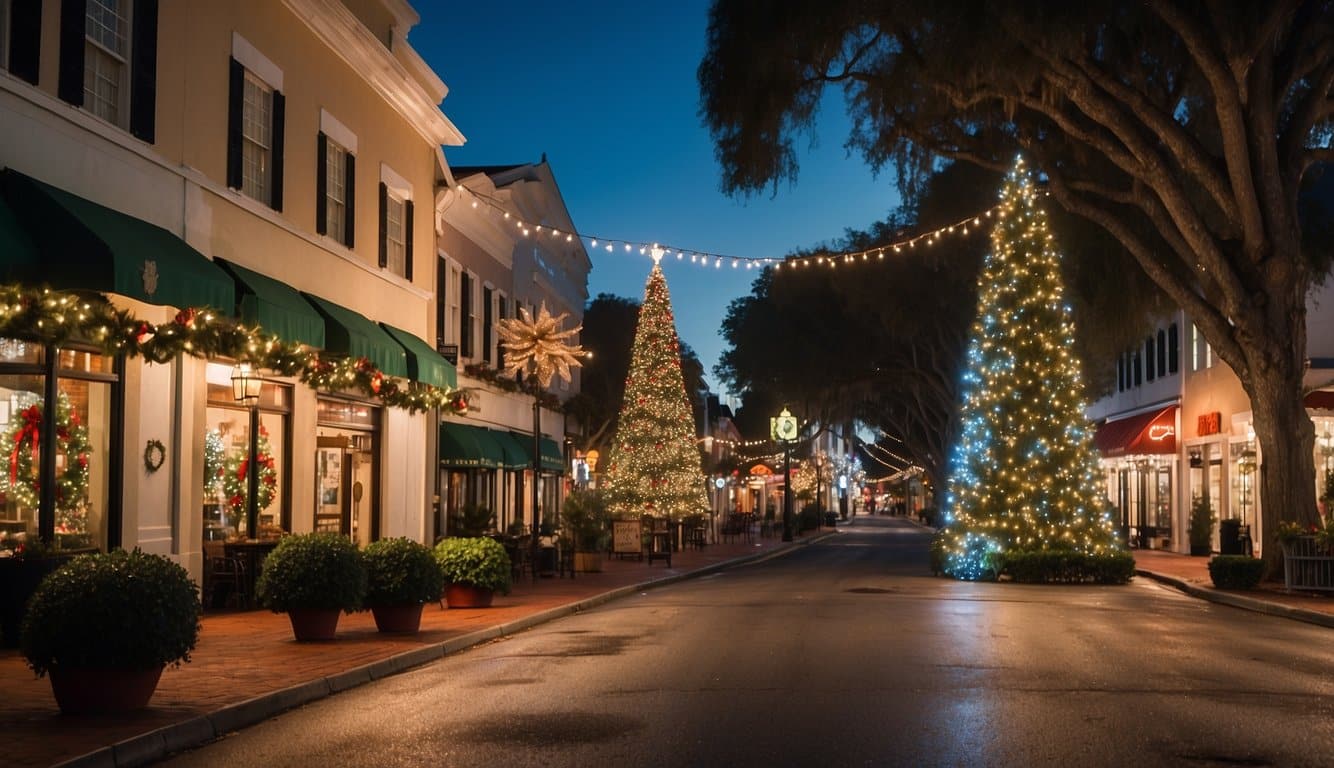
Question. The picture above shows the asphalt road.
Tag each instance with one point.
(844, 653)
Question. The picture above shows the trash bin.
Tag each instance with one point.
(1229, 539)
(831, 518)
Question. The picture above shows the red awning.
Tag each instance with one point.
(1320, 400)
(1150, 432)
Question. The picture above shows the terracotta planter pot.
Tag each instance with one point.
(467, 596)
(588, 562)
(406, 619)
(93, 690)
(314, 623)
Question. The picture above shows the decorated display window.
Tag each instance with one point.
(228, 462)
(347, 469)
(71, 457)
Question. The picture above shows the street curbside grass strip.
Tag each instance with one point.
(1240, 601)
(158, 744)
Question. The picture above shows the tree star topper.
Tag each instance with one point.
(538, 345)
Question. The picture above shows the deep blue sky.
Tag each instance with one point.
(607, 90)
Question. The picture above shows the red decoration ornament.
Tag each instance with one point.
(144, 334)
(377, 381)
(186, 317)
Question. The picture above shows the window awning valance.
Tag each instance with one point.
(276, 307)
(463, 445)
(350, 333)
(424, 364)
(80, 245)
(1151, 432)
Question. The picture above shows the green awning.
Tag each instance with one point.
(275, 306)
(15, 245)
(79, 244)
(552, 458)
(424, 364)
(349, 333)
(463, 445)
(515, 456)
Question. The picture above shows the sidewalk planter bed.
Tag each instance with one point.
(105, 625)
(1066, 567)
(1307, 563)
(401, 576)
(474, 569)
(313, 577)
(1236, 571)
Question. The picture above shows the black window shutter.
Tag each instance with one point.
(279, 128)
(235, 101)
(441, 272)
(465, 315)
(321, 183)
(407, 240)
(1173, 349)
(143, 71)
(73, 18)
(487, 321)
(25, 36)
(384, 225)
(350, 200)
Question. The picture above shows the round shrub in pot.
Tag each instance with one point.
(402, 575)
(313, 577)
(105, 625)
(474, 570)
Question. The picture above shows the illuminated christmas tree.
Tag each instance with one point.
(1024, 475)
(654, 464)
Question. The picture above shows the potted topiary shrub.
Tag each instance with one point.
(474, 570)
(402, 575)
(313, 577)
(586, 518)
(105, 625)
(1201, 526)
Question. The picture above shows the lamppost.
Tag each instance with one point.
(537, 346)
(245, 390)
(783, 428)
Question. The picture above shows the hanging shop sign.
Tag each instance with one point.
(1209, 423)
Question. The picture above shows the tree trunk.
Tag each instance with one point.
(1287, 451)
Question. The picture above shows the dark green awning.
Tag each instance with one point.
(350, 333)
(15, 245)
(424, 364)
(463, 445)
(79, 244)
(515, 456)
(552, 458)
(276, 307)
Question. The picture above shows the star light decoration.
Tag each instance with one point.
(539, 346)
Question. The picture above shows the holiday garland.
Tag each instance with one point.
(21, 483)
(236, 480)
(55, 317)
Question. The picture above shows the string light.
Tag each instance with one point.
(959, 227)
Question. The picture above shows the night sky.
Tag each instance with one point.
(607, 90)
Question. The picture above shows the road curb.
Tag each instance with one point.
(1239, 601)
(157, 744)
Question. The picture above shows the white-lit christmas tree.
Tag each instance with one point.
(1024, 475)
(654, 464)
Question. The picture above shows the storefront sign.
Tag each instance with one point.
(626, 537)
(1209, 423)
(1161, 431)
(760, 469)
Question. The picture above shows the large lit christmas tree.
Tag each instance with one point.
(1024, 475)
(654, 464)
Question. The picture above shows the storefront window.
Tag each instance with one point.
(227, 462)
(1243, 481)
(82, 446)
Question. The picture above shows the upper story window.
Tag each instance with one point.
(335, 180)
(257, 139)
(108, 56)
(1201, 354)
(106, 59)
(255, 125)
(395, 223)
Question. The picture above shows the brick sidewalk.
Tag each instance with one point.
(248, 655)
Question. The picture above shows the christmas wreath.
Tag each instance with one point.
(21, 483)
(236, 483)
(154, 454)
